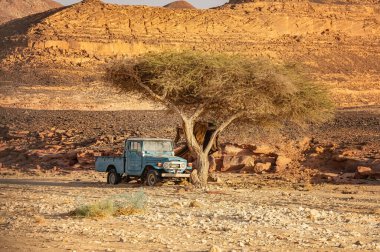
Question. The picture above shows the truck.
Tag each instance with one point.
(148, 159)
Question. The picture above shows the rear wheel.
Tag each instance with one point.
(113, 177)
(152, 178)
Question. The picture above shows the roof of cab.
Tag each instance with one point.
(147, 139)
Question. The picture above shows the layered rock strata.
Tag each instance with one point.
(338, 42)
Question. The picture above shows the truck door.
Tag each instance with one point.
(134, 158)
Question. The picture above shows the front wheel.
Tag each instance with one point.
(152, 178)
(113, 177)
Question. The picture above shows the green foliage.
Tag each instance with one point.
(124, 204)
(226, 85)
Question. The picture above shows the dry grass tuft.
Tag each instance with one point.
(121, 205)
(128, 211)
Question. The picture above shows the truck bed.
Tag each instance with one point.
(102, 163)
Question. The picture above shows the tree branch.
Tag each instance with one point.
(188, 128)
(198, 112)
(159, 98)
(220, 129)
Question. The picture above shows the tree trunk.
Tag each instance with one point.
(203, 166)
(197, 151)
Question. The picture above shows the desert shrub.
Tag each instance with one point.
(124, 204)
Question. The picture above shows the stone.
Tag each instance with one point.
(195, 204)
(319, 149)
(262, 167)
(176, 205)
(232, 150)
(215, 248)
(233, 163)
(364, 170)
(264, 149)
(282, 163)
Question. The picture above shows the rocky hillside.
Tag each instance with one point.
(339, 43)
(179, 5)
(11, 9)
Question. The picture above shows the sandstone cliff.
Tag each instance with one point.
(338, 42)
(11, 9)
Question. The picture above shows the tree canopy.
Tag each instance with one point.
(225, 85)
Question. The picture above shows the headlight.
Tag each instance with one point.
(183, 165)
(167, 165)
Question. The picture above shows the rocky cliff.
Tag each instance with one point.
(11, 9)
(338, 41)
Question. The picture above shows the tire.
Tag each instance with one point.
(152, 178)
(113, 177)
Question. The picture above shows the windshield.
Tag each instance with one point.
(158, 146)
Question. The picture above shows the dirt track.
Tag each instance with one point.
(261, 217)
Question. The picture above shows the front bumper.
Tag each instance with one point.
(175, 175)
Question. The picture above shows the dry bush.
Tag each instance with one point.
(124, 204)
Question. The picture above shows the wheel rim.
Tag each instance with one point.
(151, 179)
(112, 178)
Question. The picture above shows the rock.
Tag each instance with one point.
(215, 249)
(59, 131)
(123, 239)
(319, 149)
(363, 172)
(195, 204)
(262, 167)
(232, 150)
(264, 149)
(232, 163)
(330, 177)
(358, 243)
(212, 177)
(282, 163)
(303, 144)
(176, 205)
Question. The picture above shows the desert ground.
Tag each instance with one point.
(240, 213)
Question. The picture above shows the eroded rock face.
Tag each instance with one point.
(339, 43)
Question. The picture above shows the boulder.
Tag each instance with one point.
(232, 149)
(282, 163)
(363, 172)
(262, 167)
(233, 163)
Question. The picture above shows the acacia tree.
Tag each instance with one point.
(223, 89)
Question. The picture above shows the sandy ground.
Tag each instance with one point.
(245, 213)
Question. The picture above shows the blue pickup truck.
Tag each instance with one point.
(148, 159)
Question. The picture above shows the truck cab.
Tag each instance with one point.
(148, 159)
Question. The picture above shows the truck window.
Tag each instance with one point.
(158, 146)
(135, 146)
